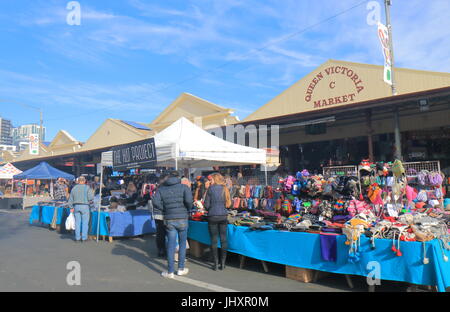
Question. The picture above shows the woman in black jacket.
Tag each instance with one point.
(217, 201)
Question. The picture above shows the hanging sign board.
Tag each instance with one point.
(383, 35)
(140, 154)
(34, 144)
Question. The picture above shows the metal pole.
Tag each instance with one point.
(265, 173)
(369, 134)
(397, 134)
(25, 194)
(398, 140)
(40, 126)
(387, 4)
(100, 202)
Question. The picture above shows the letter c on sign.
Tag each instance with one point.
(332, 85)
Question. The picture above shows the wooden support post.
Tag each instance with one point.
(241, 261)
(265, 267)
(349, 281)
(369, 134)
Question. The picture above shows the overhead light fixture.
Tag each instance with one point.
(424, 105)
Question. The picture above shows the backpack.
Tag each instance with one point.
(236, 203)
(257, 191)
(250, 203)
(243, 204)
(247, 191)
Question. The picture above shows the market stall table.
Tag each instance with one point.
(121, 224)
(303, 250)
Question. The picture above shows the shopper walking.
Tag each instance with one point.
(79, 200)
(217, 201)
(174, 201)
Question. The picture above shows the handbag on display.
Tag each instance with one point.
(236, 202)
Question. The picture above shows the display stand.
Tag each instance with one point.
(338, 171)
(430, 166)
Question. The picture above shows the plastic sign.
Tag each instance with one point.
(141, 154)
(34, 144)
(383, 35)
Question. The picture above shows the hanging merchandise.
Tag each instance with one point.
(397, 168)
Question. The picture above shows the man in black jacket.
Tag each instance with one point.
(174, 201)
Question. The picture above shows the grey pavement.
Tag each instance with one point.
(33, 258)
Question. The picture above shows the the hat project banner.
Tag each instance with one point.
(140, 154)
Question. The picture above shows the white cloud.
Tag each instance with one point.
(140, 97)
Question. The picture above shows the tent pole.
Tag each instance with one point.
(12, 187)
(100, 202)
(25, 194)
(265, 173)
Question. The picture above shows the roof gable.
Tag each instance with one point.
(63, 138)
(114, 132)
(188, 106)
(339, 83)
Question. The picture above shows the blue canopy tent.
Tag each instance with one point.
(44, 171)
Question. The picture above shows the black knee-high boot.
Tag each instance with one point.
(223, 259)
(215, 255)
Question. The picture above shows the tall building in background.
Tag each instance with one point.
(21, 135)
(5, 132)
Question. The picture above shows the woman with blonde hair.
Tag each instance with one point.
(217, 201)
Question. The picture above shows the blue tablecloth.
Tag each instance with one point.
(129, 223)
(303, 250)
(103, 223)
(44, 214)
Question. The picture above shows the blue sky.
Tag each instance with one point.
(129, 59)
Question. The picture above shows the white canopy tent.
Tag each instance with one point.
(185, 145)
(8, 171)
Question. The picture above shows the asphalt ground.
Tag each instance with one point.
(34, 258)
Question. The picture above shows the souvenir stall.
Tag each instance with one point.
(119, 213)
(44, 208)
(8, 199)
(42, 172)
(344, 222)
